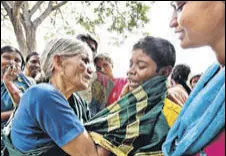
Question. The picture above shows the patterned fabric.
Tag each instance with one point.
(80, 107)
(135, 124)
(101, 88)
(202, 117)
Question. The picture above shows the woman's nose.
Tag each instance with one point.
(173, 22)
(90, 68)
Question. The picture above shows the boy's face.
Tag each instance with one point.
(142, 68)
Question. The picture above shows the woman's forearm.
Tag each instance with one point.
(14, 92)
(5, 115)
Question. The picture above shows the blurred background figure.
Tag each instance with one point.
(179, 90)
(106, 88)
(32, 67)
(194, 79)
(90, 40)
(12, 65)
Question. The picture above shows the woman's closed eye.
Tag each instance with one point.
(86, 60)
(180, 5)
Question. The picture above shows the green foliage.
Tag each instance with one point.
(118, 17)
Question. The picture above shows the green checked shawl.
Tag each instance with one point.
(135, 124)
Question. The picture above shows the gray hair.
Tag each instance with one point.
(104, 56)
(60, 46)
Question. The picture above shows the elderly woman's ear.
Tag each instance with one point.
(57, 62)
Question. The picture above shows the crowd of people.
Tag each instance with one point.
(67, 101)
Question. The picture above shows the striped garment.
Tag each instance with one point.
(135, 124)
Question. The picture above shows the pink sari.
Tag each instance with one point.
(216, 147)
(114, 95)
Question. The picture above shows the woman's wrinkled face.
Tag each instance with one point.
(142, 68)
(77, 70)
(198, 23)
(33, 66)
(10, 59)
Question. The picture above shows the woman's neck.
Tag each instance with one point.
(59, 84)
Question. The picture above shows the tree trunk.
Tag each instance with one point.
(30, 31)
(24, 28)
(17, 26)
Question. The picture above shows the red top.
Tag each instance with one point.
(114, 95)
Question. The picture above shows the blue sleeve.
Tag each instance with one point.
(53, 114)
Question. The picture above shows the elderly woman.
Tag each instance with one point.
(44, 123)
(200, 128)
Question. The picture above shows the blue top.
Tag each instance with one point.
(43, 116)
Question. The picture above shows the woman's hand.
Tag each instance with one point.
(11, 73)
(8, 78)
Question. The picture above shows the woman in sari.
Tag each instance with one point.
(200, 127)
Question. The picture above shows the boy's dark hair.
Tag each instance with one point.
(180, 75)
(86, 38)
(30, 55)
(10, 49)
(158, 49)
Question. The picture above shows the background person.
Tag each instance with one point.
(32, 67)
(106, 89)
(179, 90)
(194, 79)
(12, 64)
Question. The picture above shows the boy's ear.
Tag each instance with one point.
(165, 71)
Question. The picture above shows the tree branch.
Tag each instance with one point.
(45, 14)
(25, 8)
(7, 7)
(35, 7)
(16, 10)
(11, 3)
(59, 5)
